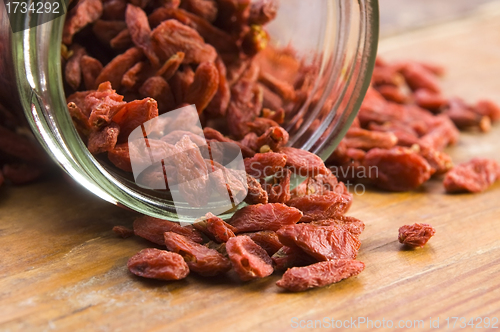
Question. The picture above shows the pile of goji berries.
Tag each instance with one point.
(126, 63)
(403, 126)
(215, 54)
(212, 54)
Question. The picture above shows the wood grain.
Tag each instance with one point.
(397, 16)
(61, 267)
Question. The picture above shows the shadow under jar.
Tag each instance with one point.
(336, 37)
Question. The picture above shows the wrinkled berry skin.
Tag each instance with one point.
(397, 169)
(298, 279)
(249, 260)
(474, 176)
(321, 242)
(415, 235)
(158, 264)
(262, 217)
(200, 259)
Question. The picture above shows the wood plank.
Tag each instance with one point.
(62, 268)
(398, 16)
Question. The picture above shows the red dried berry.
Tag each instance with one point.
(158, 264)
(265, 164)
(321, 242)
(304, 163)
(249, 260)
(268, 240)
(398, 169)
(299, 279)
(416, 235)
(221, 230)
(256, 194)
(474, 176)
(287, 257)
(152, 229)
(200, 259)
(318, 207)
(261, 217)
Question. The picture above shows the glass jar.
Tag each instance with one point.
(341, 36)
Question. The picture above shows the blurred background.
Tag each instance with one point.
(400, 15)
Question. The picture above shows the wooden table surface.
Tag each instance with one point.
(61, 267)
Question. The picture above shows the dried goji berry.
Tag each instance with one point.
(358, 138)
(103, 140)
(203, 8)
(463, 117)
(122, 40)
(158, 264)
(304, 163)
(418, 77)
(274, 139)
(221, 230)
(84, 13)
(416, 235)
(120, 157)
(20, 146)
(475, 176)
(398, 169)
(73, 70)
(152, 229)
(278, 86)
(211, 133)
(353, 225)
(393, 93)
(318, 207)
(140, 32)
(265, 164)
(116, 68)
(249, 260)
(298, 279)
(171, 37)
(105, 30)
(321, 242)
(114, 9)
(91, 68)
(204, 86)
(200, 259)
(157, 88)
(256, 194)
(268, 240)
(441, 135)
(134, 114)
(430, 100)
(278, 188)
(219, 103)
(287, 257)
(260, 217)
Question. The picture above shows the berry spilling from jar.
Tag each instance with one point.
(216, 55)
